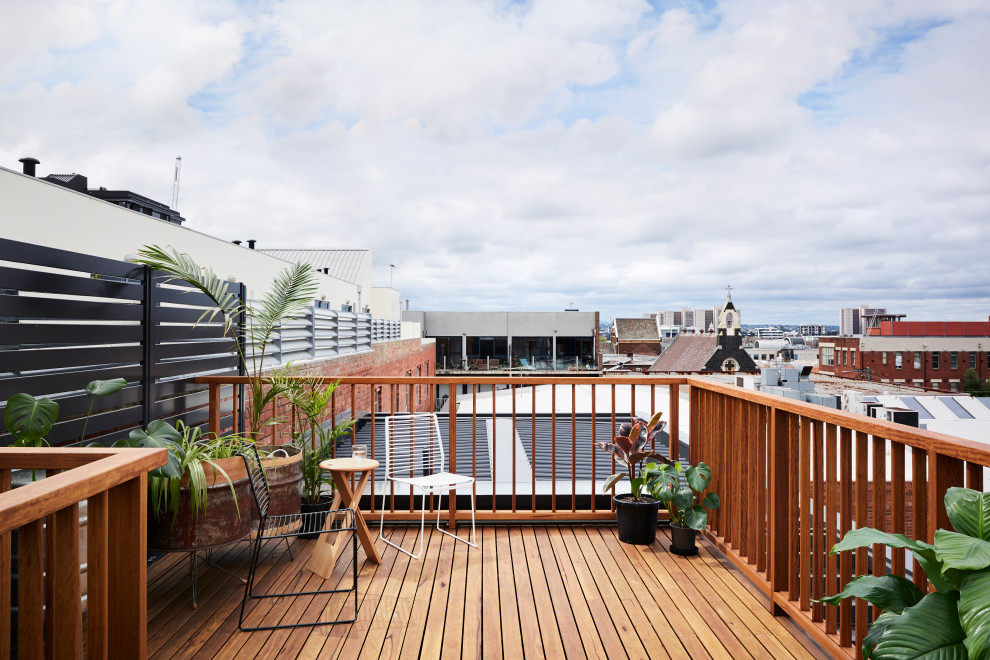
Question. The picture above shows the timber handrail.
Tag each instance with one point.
(45, 513)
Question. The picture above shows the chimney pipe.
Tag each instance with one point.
(29, 164)
(236, 242)
(251, 243)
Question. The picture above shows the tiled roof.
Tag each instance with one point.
(636, 329)
(686, 354)
(344, 264)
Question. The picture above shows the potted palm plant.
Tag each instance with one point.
(315, 441)
(635, 514)
(682, 498)
(251, 328)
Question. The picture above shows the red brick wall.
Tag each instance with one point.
(407, 357)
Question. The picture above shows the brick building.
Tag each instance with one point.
(926, 354)
(636, 336)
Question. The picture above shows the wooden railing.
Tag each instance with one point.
(45, 514)
(793, 477)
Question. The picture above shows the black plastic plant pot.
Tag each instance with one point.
(637, 521)
(682, 540)
(314, 523)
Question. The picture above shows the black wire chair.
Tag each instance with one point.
(339, 521)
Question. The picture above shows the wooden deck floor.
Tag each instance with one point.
(533, 592)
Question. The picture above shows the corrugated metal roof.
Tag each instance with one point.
(344, 264)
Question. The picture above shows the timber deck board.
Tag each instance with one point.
(530, 591)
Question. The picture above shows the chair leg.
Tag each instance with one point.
(473, 541)
(422, 528)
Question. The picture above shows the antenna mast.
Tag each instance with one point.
(173, 200)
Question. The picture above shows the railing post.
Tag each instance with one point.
(944, 472)
(215, 408)
(779, 482)
(6, 563)
(674, 432)
(128, 574)
(452, 458)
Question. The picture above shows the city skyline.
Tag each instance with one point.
(608, 156)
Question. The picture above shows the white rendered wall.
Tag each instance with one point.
(386, 303)
(43, 213)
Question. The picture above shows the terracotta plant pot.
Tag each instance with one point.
(637, 521)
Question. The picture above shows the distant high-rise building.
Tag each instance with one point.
(855, 321)
(813, 330)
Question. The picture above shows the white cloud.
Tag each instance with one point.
(526, 156)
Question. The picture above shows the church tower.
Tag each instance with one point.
(728, 319)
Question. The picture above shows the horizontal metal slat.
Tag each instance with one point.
(68, 381)
(191, 367)
(37, 255)
(57, 308)
(61, 358)
(38, 282)
(184, 332)
(27, 334)
(191, 349)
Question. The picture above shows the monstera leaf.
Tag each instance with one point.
(105, 387)
(29, 419)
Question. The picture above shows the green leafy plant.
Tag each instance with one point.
(953, 620)
(29, 419)
(193, 456)
(684, 502)
(314, 440)
(629, 448)
(291, 292)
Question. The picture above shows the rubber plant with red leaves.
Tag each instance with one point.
(632, 446)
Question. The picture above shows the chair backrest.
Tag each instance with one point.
(258, 479)
(413, 445)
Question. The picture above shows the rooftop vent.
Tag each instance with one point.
(251, 243)
(29, 165)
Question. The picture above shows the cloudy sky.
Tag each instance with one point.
(623, 156)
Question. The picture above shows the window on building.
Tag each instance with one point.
(899, 360)
(954, 360)
(954, 386)
(919, 383)
(972, 360)
(935, 359)
(883, 357)
(828, 356)
(917, 360)
(844, 352)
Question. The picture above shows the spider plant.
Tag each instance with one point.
(251, 328)
(194, 455)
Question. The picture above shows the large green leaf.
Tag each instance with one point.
(712, 501)
(876, 631)
(969, 512)
(695, 517)
(105, 387)
(929, 629)
(888, 592)
(698, 476)
(29, 419)
(961, 552)
(923, 552)
(974, 613)
(683, 498)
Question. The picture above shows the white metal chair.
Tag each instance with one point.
(414, 456)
